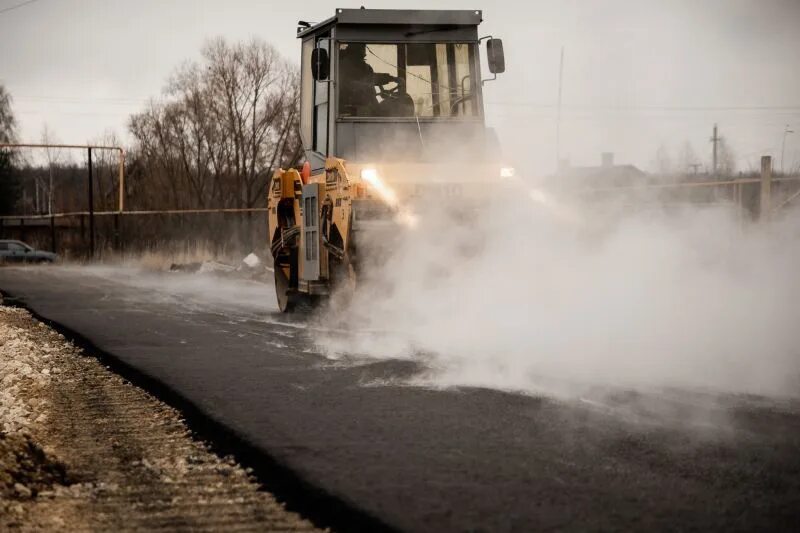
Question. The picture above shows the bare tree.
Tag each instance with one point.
(226, 123)
(8, 123)
(53, 158)
(10, 188)
(726, 164)
(662, 161)
(688, 159)
(106, 171)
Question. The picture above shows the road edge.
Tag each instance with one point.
(321, 508)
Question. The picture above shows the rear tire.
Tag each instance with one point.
(283, 293)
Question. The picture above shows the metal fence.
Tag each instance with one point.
(87, 235)
(91, 233)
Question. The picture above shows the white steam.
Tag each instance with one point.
(528, 294)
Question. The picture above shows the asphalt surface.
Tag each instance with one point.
(419, 459)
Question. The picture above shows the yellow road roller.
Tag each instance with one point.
(391, 106)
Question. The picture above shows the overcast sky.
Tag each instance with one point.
(637, 74)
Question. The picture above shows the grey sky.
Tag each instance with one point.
(637, 73)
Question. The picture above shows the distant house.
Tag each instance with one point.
(607, 174)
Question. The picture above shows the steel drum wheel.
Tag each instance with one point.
(282, 295)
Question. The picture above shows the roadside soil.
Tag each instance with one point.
(81, 449)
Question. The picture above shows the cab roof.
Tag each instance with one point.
(395, 17)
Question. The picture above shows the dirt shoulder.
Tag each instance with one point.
(82, 449)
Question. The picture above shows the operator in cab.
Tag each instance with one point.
(358, 82)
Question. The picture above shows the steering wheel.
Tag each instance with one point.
(394, 92)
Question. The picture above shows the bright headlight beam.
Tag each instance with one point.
(370, 175)
(387, 194)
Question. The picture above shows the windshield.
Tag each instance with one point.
(407, 80)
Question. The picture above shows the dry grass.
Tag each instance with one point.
(160, 256)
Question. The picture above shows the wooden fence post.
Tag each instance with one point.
(118, 232)
(53, 234)
(766, 188)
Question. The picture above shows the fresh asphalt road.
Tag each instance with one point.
(419, 459)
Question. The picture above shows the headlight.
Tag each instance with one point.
(507, 172)
(369, 174)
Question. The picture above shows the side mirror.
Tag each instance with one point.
(320, 64)
(495, 56)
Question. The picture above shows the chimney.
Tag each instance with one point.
(608, 159)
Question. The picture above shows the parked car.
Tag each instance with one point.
(19, 252)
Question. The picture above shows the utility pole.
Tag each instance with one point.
(558, 115)
(786, 132)
(715, 140)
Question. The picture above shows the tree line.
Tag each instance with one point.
(213, 139)
(9, 183)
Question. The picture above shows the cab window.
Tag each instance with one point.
(407, 79)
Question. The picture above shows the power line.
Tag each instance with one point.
(12, 8)
(82, 101)
(76, 113)
(649, 107)
(533, 105)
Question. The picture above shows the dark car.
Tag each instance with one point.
(19, 252)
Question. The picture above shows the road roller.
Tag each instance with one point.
(391, 112)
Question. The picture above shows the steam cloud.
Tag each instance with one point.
(522, 297)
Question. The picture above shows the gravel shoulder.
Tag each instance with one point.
(82, 449)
